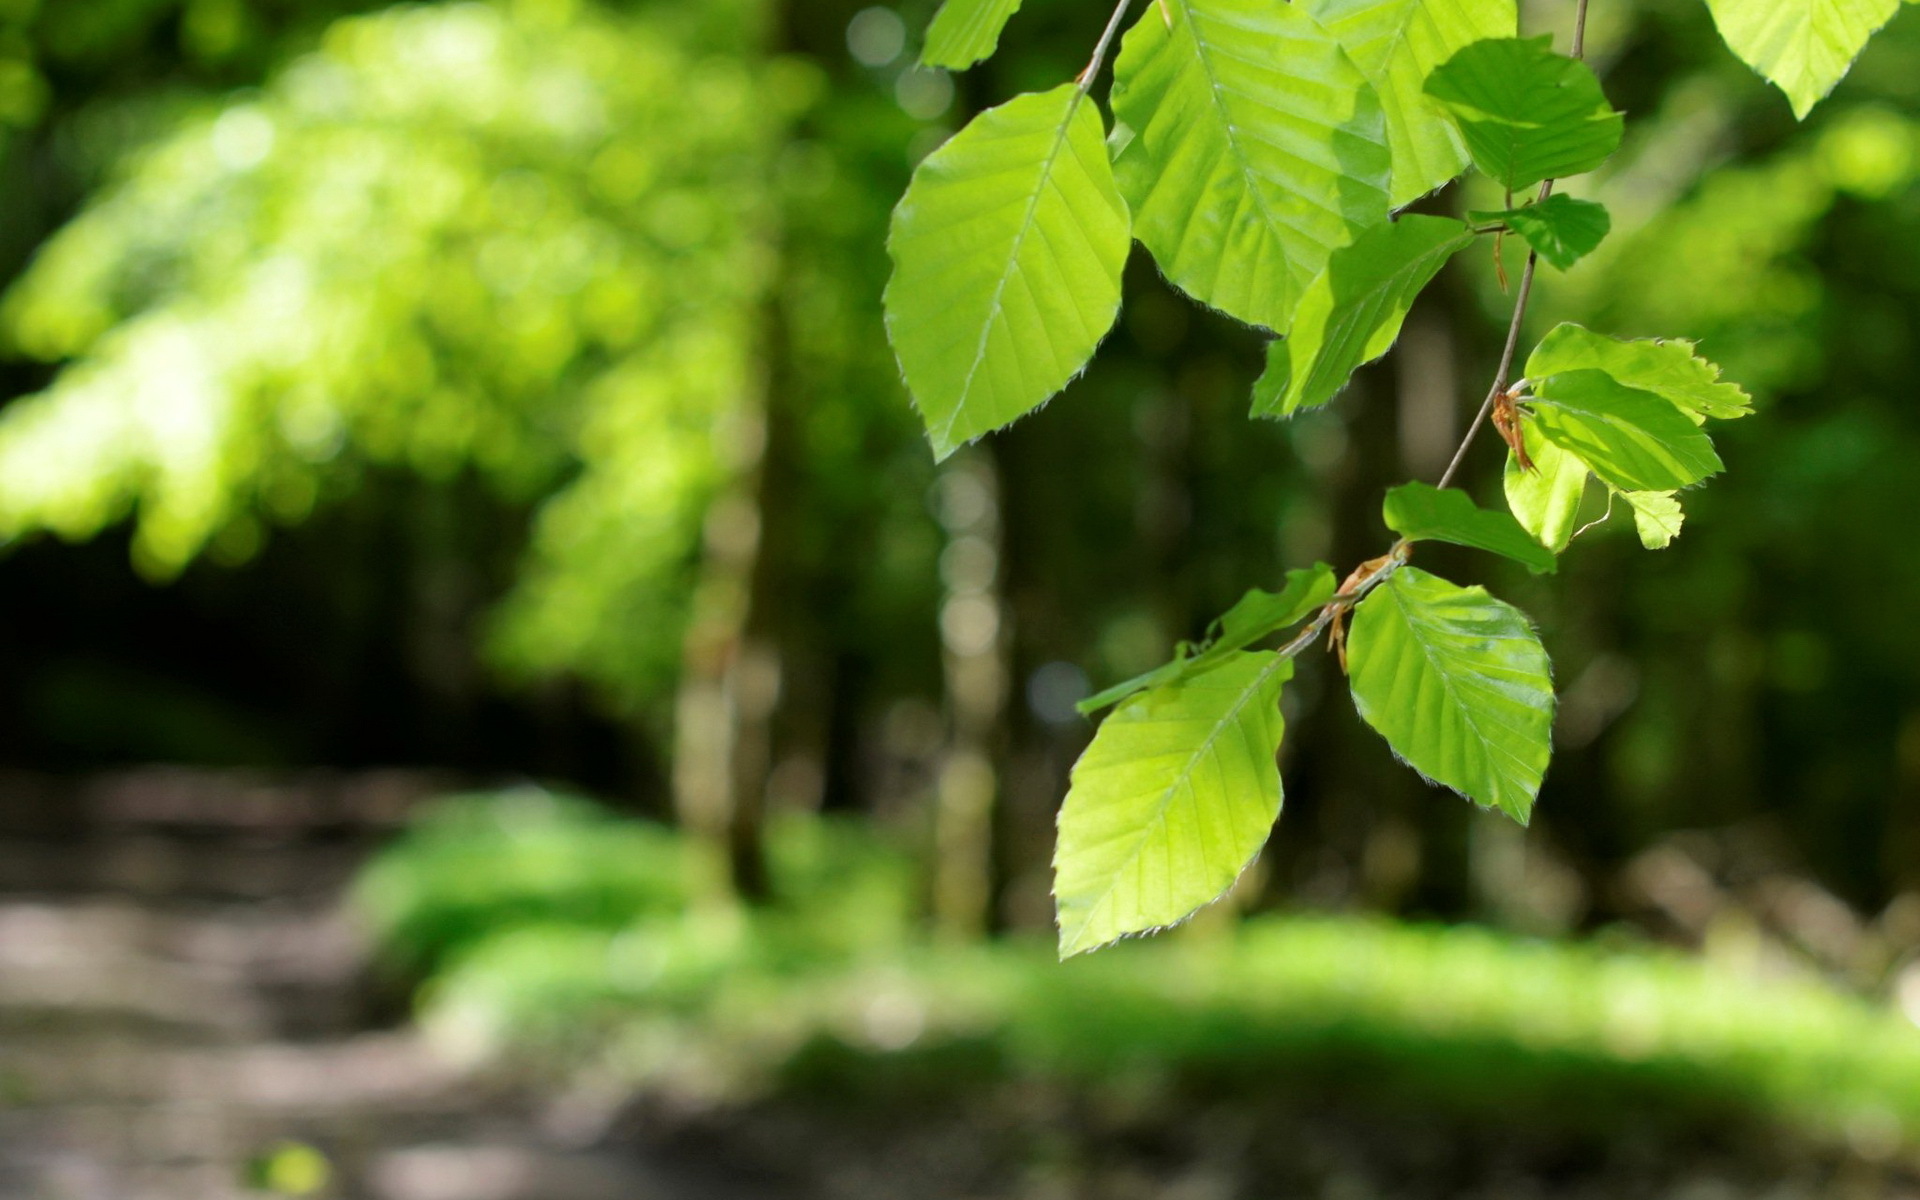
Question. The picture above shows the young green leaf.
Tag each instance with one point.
(1635, 440)
(1007, 253)
(1351, 313)
(1458, 684)
(1396, 44)
(1421, 512)
(1562, 229)
(1656, 516)
(965, 31)
(1546, 500)
(1259, 613)
(1666, 368)
(1803, 47)
(1170, 803)
(1253, 616)
(1527, 113)
(1258, 149)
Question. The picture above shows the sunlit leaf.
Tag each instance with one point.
(1397, 43)
(1527, 113)
(1803, 46)
(1171, 802)
(965, 31)
(1562, 229)
(1666, 368)
(1253, 616)
(1421, 512)
(1458, 684)
(1351, 313)
(1546, 500)
(1259, 612)
(1657, 517)
(1636, 440)
(1259, 148)
(1007, 252)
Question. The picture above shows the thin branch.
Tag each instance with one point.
(1520, 299)
(1396, 558)
(1100, 49)
(1345, 600)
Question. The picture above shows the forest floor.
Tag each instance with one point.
(189, 1012)
(185, 1012)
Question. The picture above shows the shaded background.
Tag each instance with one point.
(465, 396)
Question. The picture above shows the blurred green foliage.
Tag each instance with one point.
(537, 916)
(811, 995)
(453, 239)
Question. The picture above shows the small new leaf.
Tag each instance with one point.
(1170, 803)
(1667, 368)
(1352, 311)
(1420, 512)
(1527, 113)
(1007, 252)
(1804, 47)
(1635, 440)
(1562, 229)
(966, 31)
(1546, 500)
(1458, 684)
(1259, 148)
(1396, 44)
(1656, 516)
(1253, 616)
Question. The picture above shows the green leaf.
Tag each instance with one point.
(1258, 149)
(965, 31)
(1254, 616)
(1666, 368)
(1546, 500)
(1170, 803)
(1803, 47)
(1562, 229)
(1527, 113)
(1458, 684)
(1007, 253)
(1657, 517)
(1259, 613)
(1635, 440)
(1421, 512)
(1351, 313)
(1397, 44)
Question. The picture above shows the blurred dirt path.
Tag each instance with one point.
(181, 992)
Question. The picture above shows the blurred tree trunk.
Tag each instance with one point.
(975, 641)
(731, 671)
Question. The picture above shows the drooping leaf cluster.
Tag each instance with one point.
(1258, 152)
